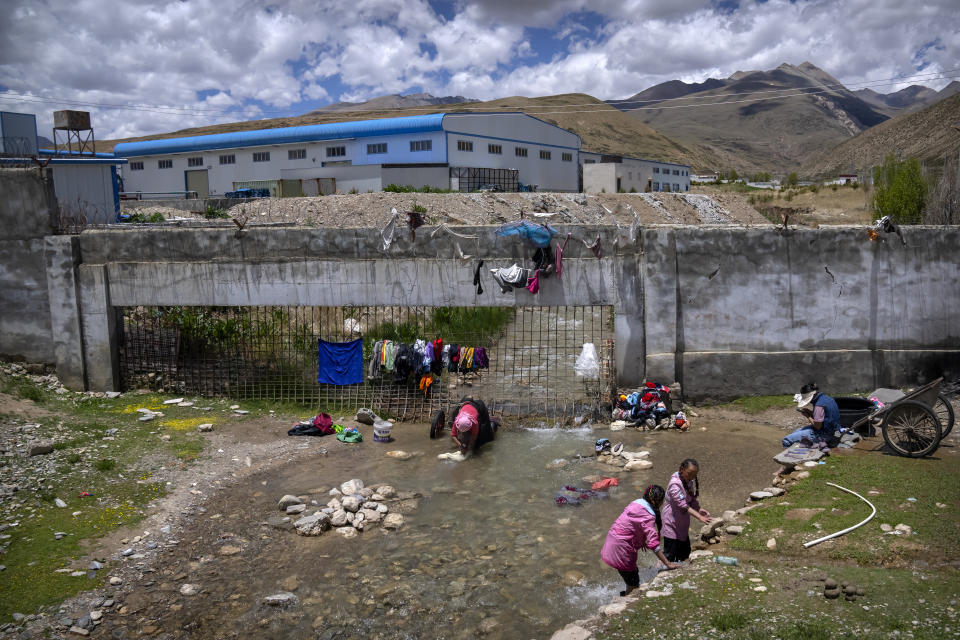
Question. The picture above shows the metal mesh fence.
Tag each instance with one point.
(270, 353)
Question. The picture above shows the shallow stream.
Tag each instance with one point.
(486, 552)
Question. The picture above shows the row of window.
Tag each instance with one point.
(676, 172)
(520, 152)
(666, 186)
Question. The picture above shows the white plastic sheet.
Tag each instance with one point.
(587, 364)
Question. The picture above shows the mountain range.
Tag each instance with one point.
(785, 119)
(776, 120)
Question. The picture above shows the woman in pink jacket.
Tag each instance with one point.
(681, 502)
(638, 526)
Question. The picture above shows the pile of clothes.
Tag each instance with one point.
(649, 407)
(424, 360)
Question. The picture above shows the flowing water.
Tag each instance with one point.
(486, 552)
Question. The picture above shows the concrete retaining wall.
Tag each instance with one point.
(726, 311)
(28, 212)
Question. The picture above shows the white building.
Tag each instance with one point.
(460, 151)
(613, 174)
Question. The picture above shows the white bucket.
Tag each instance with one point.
(381, 431)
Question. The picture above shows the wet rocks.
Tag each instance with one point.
(288, 501)
(351, 487)
(400, 455)
(574, 578)
(637, 465)
(347, 532)
(392, 521)
(282, 599)
(188, 589)
(338, 518)
(734, 530)
(313, 525)
(295, 509)
(350, 503)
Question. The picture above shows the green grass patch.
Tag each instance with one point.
(928, 482)
(759, 404)
(22, 388)
(723, 605)
(105, 465)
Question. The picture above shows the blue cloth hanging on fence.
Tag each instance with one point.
(538, 234)
(340, 362)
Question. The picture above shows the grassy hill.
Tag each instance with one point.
(602, 127)
(929, 134)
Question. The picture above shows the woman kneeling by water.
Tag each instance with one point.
(472, 426)
(638, 526)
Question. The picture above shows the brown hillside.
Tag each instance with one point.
(602, 127)
(929, 134)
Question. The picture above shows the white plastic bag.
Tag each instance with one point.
(587, 364)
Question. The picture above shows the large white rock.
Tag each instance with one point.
(189, 589)
(760, 495)
(281, 599)
(708, 531)
(637, 465)
(313, 525)
(347, 532)
(350, 503)
(572, 632)
(370, 516)
(335, 504)
(338, 518)
(392, 521)
(351, 487)
(634, 455)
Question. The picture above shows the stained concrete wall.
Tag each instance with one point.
(726, 311)
(27, 213)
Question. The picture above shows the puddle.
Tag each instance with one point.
(485, 553)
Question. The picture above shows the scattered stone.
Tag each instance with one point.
(18, 617)
(760, 495)
(830, 583)
(392, 521)
(572, 632)
(760, 588)
(734, 530)
(338, 518)
(885, 527)
(241, 412)
(229, 550)
(290, 583)
(700, 553)
(905, 529)
(775, 491)
(112, 394)
(729, 515)
(657, 594)
(295, 509)
(574, 578)
(80, 631)
(173, 401)
(831, 594)
(637, 465)
(615, 608)
(96, 615)
(801, 475)
(347, 532)
(350, 503)
(94, 565)
(41, 449)
(400, 455)
(282, 599)
(206, 427)
(188, 589)
(127, 552)
(709, 530)
(288, 501)
(351, 487)
(772, 544)
(115, 581)
(313, 525)
(60, 503)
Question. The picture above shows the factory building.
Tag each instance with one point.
(459, 151)
(614, 174)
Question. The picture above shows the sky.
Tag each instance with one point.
(143, 67)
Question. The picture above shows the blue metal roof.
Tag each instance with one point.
(62, 152)
(285, 135)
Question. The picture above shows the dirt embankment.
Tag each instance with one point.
(373, 209)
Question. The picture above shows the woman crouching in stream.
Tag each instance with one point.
(638, 526)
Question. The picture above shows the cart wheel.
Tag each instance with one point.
(436, 426)
(944, 411)
(911, 429)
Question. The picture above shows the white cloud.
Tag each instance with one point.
(160, 54)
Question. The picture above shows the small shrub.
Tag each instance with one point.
(633, 189)
(214, 212)
(728, 620)
(154, 217)
(855, 185)
(833, 187)
(419, 208)
(105, 464)
(815, 188)
(352, 191)
(74, 458)
(789, 196)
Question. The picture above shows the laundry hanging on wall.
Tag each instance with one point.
(340, 363)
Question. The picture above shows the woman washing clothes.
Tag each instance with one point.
(681, 502)
(637, 527)
(472, 426)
